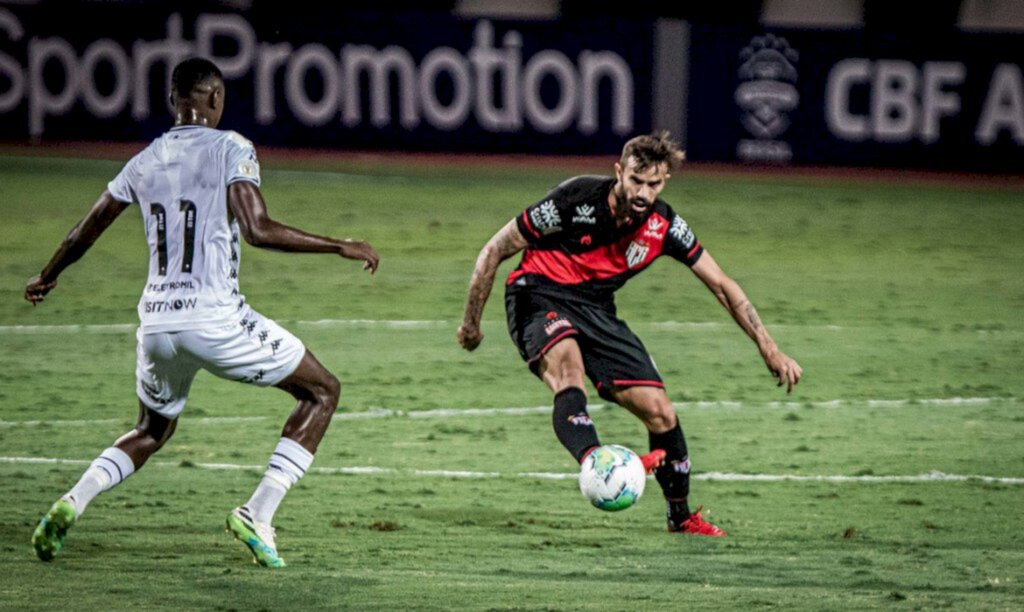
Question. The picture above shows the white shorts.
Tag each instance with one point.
(254, 350)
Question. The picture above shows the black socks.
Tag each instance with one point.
(573, 426)
(674, 474)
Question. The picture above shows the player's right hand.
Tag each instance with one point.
(35, 289)
(469, 336)
(357, 249)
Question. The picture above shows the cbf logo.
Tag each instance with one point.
(767, 94)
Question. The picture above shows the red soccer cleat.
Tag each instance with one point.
(696, 525)
(653, 459)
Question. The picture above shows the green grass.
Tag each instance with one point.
(901, 293)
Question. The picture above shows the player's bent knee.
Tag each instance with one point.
(327, 391)
(332, 389)
(660, 417)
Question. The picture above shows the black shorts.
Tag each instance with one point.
(613, 356)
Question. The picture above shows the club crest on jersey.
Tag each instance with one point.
(681, 231)
(654, 228)
(584, 214)
(636, 253)
(545, 217)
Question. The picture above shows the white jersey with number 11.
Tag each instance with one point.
(180, 184)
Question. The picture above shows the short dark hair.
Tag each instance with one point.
(190, 73)
(652, 150)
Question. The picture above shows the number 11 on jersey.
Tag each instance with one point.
(188, 208)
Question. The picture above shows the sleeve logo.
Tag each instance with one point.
(681, 232)
(545, 217)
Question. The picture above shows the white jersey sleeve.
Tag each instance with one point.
(121, 187)
(180, 183)
(242, 163)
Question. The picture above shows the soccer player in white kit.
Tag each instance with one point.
(198, 191)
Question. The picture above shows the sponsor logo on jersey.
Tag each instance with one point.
(169, 306)
(584, 214)
(654, 228)
(681, 232)
(172, 286)
(636, 253)
(545, 218)
(551, 315)
(556, 324)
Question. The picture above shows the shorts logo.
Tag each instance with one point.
(654, 229)
(681, 232)
(155, 395)
(554, 325)
(581, 419)
(545, 217)
(252, 380)
(584, 214)
(636, 253)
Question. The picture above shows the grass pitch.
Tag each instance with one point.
(902, 303)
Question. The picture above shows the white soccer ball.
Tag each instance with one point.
(612, 477)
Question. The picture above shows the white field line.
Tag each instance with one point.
(413, 324)
(419, 324)
(933, 476)
(385, 413)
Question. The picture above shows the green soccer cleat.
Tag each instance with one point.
(48, 538)
(257, 536)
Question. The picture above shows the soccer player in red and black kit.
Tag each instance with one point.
(582, 242)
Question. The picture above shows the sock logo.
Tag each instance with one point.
(581, 419)
(681, 466)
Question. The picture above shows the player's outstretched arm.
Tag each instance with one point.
(247, 204)
(79, 239)
(731, 295)
(506, 243)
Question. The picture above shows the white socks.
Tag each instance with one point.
(288, 464)
(106, 472)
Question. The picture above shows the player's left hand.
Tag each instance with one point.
(357, 249)
(785, 370)
(469, 336)
(36, 289)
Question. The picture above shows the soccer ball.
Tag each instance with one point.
(612, 477)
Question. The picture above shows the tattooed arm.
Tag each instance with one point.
(783, 368)
(506, 243)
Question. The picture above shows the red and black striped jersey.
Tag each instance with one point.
(575, 249)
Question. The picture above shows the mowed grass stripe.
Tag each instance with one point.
(386, 413)
(933, 476)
